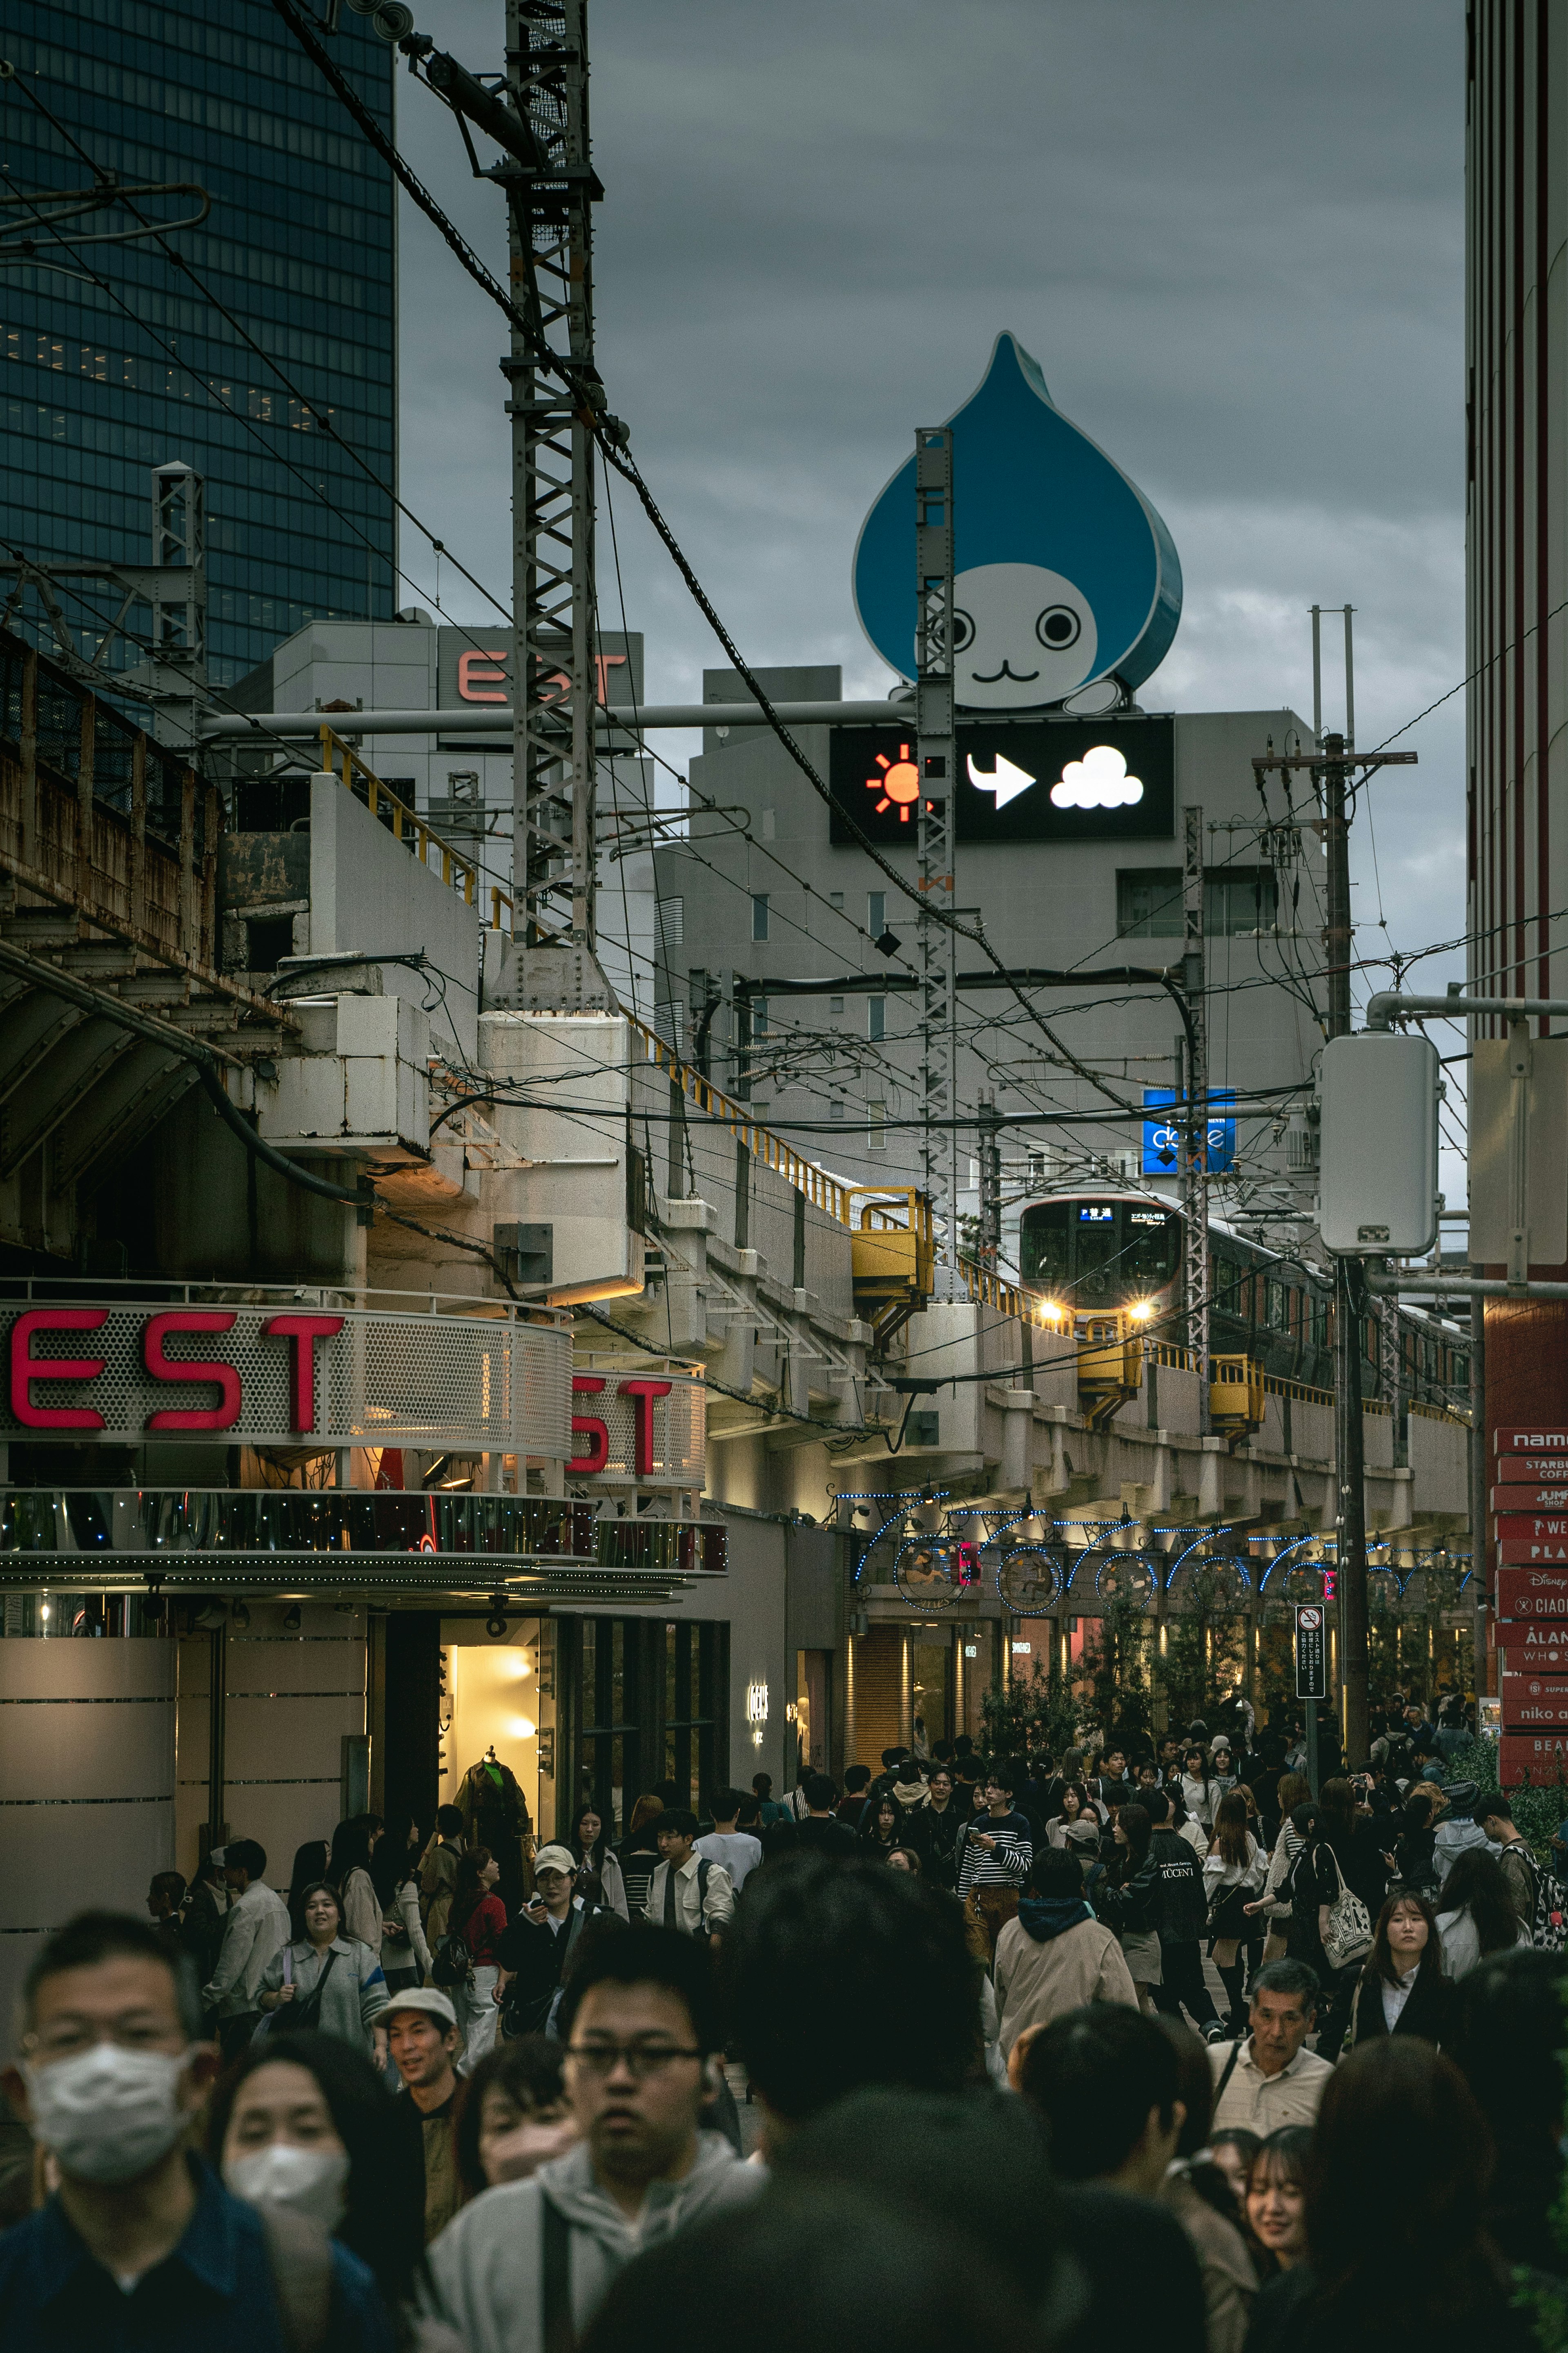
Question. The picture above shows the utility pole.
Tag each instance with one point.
(551, 189)
(936, 753)
(1330, 765)
(1196, 1114)
(990, 1158)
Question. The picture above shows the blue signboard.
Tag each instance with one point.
(1063, 571)
(1162, 1132)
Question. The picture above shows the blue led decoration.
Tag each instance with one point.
(1065, 573)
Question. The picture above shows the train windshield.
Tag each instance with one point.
(1098, 1253)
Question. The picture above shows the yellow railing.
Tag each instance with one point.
(990, 1291)
(807, 1178)
(405, 821)
(1166, 1352)
(1449, 1413)
(1277, 1387)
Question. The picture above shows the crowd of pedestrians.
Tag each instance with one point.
(968, 2005)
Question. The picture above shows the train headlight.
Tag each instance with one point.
(1140, 1310)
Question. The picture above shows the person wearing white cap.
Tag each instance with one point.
(537, 1949)
(424, 2042)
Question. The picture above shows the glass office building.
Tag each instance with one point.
(129, 364)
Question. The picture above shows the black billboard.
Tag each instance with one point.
(1042, 780)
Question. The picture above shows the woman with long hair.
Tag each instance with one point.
(1478, 1916)
(1133, 1900)
(1402, 1988)
(325, 1980)
(1397, 2270)
(353, 1842)
(1197, 1786)
(1413, 1848)
(637, 1852)
(1276, 2201)
(1233, 1873)
(394, 1870)
(307, 2125)
(1272, 1908)
(1074, 1806)
(479, 1918)
(1345, 1855)
(590, 1844)
(511, 2115)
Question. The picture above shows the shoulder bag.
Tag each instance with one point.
(1348, 1936)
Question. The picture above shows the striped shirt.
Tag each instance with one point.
(1006, 1864)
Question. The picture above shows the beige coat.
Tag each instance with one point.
(1230, 2282)
(1036, 1982)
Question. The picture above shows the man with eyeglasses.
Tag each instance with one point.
(141, 2244)
(526, 2266)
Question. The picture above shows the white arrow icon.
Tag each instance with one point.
(1005, 781)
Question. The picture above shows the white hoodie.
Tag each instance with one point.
(486, 2267)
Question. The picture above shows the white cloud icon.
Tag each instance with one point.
(1100, 780)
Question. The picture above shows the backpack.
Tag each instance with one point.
(1548, 1924)
(451, 1964)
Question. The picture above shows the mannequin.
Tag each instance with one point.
(495, 1814)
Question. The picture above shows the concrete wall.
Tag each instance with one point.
(371, 894)
(87, 1784)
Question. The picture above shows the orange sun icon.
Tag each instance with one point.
(899, 782)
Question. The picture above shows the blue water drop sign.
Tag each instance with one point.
(1162, 1132)
(1063, 571)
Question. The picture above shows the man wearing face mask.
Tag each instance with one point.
(140, 2243)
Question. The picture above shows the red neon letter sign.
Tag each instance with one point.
(27, 1368)
(226, 1413)
(642, 1395)
(589, 1426)
(301, 1332)
(480, 665)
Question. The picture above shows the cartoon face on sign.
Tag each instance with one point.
(1064, 573)
(1021, 637)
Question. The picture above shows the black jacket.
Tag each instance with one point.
(1184, 1914)
(1428, 2013)
(1138, 1902)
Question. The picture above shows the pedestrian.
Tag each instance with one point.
(140, 2244)
(637, 1852)
(1234, 1871)
(1478, 1916)
(994, 1854)
(910, 1792)
(884, 1828)
(1403, 1988)
(538, 1949)
(1075, 1804)
(1509, 2031)
(165, 1897)
(686, 1891)
(1054, 1956)
(1277, 2198)
(740, 1852)
(300, 2129)
(1223, 1775)
(1386, 2270)
(1270, 2078)
(404, 1951)
(1415, 1861)
(1133, 1900)
(512, 2114)
(772, 1811)
(438, 1872)
(595, 1855)
(353, 1843)
(903, 1858)
(1458, 1832)
(840, 1974)
(325, 1982)
(1494, 1818)
(1104, 2081)
(205, 1914)
(1202, 2200)
(1343, 1857)
(1232, 2150)
(852, 1804)
(943, 1822)
(309, 1864)
(477, 1923)
(255, 1928)
(1198, 1793)
(1085, 1841)
(821, 1830)
(525, 2267)
(892, 1770)
(1184, 1923)
(425, 2044)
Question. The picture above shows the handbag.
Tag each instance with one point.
(1348, 1936)
(295, 2017)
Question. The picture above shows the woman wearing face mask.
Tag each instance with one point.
(511, 2115)
(302, 2130)
(325, 1982)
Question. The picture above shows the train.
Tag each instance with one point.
(1090, 1252)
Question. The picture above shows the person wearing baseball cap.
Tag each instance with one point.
(539, 1947)
(422, 2042)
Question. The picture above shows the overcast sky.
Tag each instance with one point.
(1229, 231)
